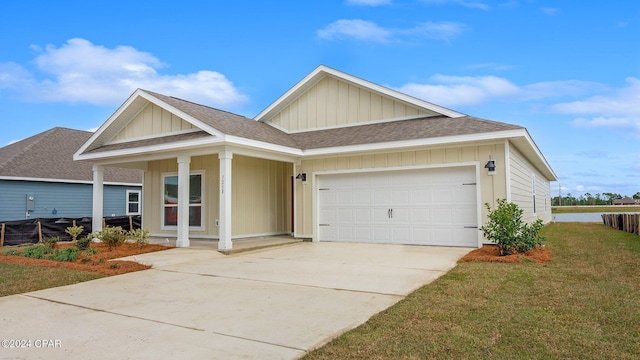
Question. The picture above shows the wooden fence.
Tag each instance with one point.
(625, 222)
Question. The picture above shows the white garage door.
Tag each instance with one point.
(424, 207)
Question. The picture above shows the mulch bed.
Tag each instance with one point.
(491, 253)
(98, 263)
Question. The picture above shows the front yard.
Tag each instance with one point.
(584, 304)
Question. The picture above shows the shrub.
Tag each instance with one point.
(12, 252)
(38, 252)
(68, 254)
(112, 236)
(51, 242)
(83, 243)
(74, 231)
(506, 228)
(140, 236)
(91, 251)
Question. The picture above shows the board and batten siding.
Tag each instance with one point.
(152, 121)
(332, 102)
(491, 186)
(68, 199)
(261, 196)
(524, 178)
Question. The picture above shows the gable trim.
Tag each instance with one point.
(155, 136)
(372, 122)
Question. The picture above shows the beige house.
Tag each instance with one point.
(336, 158)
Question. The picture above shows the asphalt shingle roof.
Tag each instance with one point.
(49, 155)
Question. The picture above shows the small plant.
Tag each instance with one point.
(38, 252)
(68, 254)
(83, 243)
(91, 251)
(74, 231)
(51, 242)
(113, 237)
(506, 228)
(10, 252)
(140, 236)
(114, 265)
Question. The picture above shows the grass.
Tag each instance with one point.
(584, 304)
(594, 209)
(17, 279)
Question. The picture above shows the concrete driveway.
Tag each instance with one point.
(276, 303)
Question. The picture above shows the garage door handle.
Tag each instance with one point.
(390, 213)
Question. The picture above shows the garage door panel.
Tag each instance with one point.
(426, 206)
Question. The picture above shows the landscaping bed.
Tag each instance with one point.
(491, 253)
(101, 262)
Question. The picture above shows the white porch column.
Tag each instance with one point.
(224, 232)
(183, 201)
(98, 197)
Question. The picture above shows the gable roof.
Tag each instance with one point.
(323, 71)
(212, 127)
(49, 155)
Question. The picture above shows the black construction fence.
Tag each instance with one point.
(34, 230)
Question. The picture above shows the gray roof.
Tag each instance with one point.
(49, 155)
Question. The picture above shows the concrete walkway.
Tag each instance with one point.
(276, 303)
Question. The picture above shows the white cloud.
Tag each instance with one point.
(369, 31)
(369, 2)
(79, 71)
(621, 109)
(461, 90)
(356, 29)
(550, 10)
(467, 3)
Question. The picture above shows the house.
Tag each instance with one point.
(335, 158)
(39, 179)
(626, 201)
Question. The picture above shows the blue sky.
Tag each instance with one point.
(569, 71)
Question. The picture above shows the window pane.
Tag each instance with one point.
(134, 196)
(195, 215)
(195, 189)
(133, 208)
(170, 216)
(171, 190)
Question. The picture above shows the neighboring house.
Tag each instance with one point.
(336, 158)
(626, 201)
(39, 179)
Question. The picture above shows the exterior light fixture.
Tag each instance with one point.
(490, 166)
(302, 176)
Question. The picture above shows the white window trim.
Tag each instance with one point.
(202, 202)
(127, 202)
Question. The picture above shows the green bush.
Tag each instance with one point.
(140, 236)
(91, 251)
(38, 252)
(83, 243)
(113, 237)
(51, 242)
(68, 254)
(74, 231)
(9, 252)
(506, 228)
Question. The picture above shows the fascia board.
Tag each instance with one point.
(235, 140)
(540, 156)
(66, 181)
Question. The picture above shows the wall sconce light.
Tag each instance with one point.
(490, 166)
(302, 176)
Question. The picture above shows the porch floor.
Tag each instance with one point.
(239, 245)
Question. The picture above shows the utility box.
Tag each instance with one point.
(31, 202)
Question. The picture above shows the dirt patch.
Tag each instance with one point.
(491, 253)
(101, 263)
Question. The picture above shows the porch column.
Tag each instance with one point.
(98, 198)
(183, 201)
(224, 232)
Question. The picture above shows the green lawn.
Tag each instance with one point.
(17, 279)
(584, 304)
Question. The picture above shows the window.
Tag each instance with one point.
(170, 201)
(133, 202)
(533, 190)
